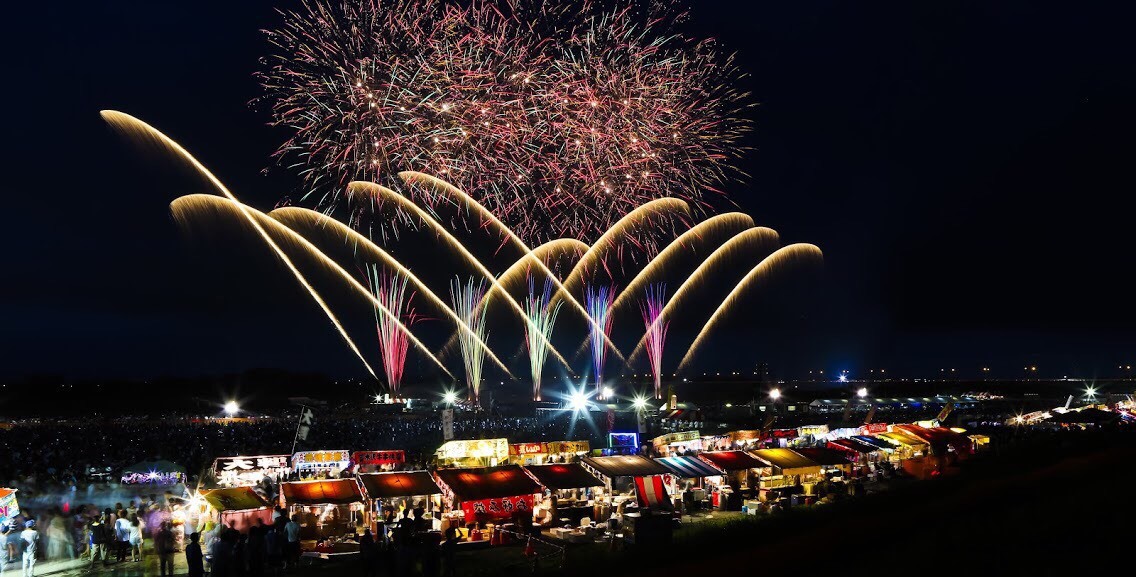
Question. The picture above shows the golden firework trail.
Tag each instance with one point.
(760, 237)
(295, 216)
(411, 177)
(725, 222)
(184, 206)
(780, 258)
(379, 191)
(130, 125)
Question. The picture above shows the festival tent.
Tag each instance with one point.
(939, 438)
(787, 461)
(624, 466)
(874, 442)
(238, 507)
(733, 460)
(828, 458)
(322, 492)
(853, 445)
(488, 492)
(563, 476)
(688, 467)
(398, 484)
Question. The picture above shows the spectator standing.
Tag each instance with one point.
(29, 538)
(97, 531)
(193, 556)
(164, 545)
(134, 538)
(292, 532)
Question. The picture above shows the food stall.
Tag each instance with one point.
(679, 443)
(547, 452)
(9, 507)
(398, 491)
(833, 462)
(685, 483)
(238, 507)
(331, 512)
(472, 453)
(787, 468)
(377, 461)
(864, 455)
(618, 474)
(569, 489)
(907, 446)
(320, 464)
(249, 471)
(744, 439)
(742, 471)
(479, 499)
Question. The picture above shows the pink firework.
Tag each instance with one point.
(598, 302)
(390, 290)
(559, 117)
(652, 308)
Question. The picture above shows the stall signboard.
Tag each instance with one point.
(249, 470)
(873, 428)
(783, 433)
(814, 430)
(929, 424)
(9, 508)
(569, 447)
(745, 435)
(307, 460)
(475, 449)
(523, 449)
(623, 440)
(672, 438)
(378, 458)
(503, 507)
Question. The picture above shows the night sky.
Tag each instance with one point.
(965, 166)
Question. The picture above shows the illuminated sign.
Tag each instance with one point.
(475, 449)
(393, 457)
(518, 449)
(321, 460)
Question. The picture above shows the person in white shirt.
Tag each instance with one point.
(30, 540)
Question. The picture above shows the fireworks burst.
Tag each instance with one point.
(466, 299)
(558, 117)
(390, 290)
(542, 316)
(652, 308)
(598, 300)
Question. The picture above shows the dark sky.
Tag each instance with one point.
(965, 166)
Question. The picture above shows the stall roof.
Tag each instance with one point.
(398, 484)
(4, 492)
(856, 445)
(827, 457)
(625, 466)
(488, 482)
(903, 438)
(563, 476)
(322, 492)
(784, 458)
(234, 499)
(878, 443)
(733, 460)
(688, 467)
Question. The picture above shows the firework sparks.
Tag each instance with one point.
(656, 332)
(390, 290)
(466, 298)
(558, 116)
(598, 300)
(542, 314)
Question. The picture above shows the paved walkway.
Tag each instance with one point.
(147, 566)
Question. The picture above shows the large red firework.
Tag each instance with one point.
(559, 117)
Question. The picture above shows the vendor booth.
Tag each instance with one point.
(570, 487)
(238, 507)
(485, 497)
(331, 512)
(686, 483)
(401, 490)
(863, 455)
(618, 473)
(680, 443)
(320, 464)
(834, 464)
(472, 453)
(907, 446)
(745, 439)
(547, 452)
(788, 468)
(377, 461)
(9, 507)
(742, 472)
(249, 471)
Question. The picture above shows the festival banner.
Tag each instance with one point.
(365, 458)
(497, 508)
